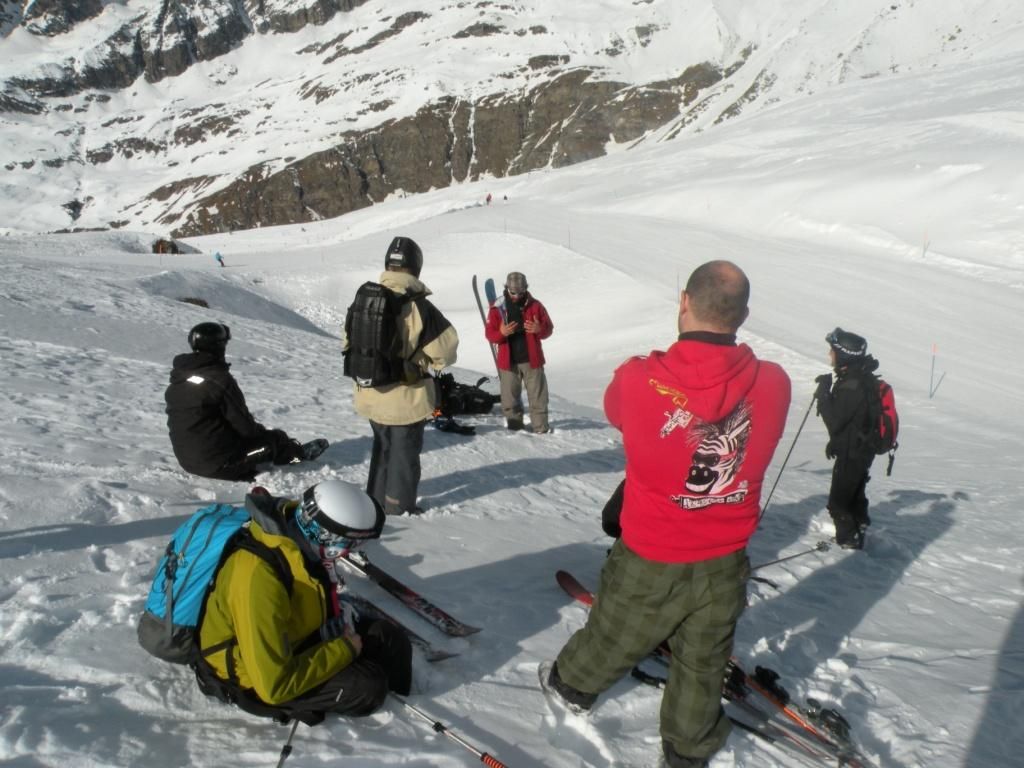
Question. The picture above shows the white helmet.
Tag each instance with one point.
(335, 510)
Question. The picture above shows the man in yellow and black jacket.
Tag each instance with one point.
(274, 637)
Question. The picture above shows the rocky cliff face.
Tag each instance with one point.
(163, 39)
(567, 120)
(564, 115)
(52, 17)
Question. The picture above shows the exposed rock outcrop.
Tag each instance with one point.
(555, 115)
(163, 40)
(569, 119)
(53, 17)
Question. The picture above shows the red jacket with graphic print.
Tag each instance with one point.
(532, 310)
(700, 422)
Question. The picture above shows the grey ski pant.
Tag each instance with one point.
(395, 465)
(536, 383)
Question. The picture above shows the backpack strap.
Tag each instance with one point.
(272, 556)
(874, 410)
(170, 570)
(414, 299)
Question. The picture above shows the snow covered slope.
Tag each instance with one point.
(892, 208)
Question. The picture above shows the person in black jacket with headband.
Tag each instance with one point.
(843, 406)
(212, 432)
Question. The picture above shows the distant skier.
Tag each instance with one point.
(219, 258)
(212, 432)
(844, 407)
(517, 323)
(488, 198)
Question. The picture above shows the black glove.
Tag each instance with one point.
(829, 453)
(824, 385)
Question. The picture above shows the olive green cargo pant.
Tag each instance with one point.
(640, 603)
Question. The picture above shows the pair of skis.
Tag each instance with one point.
(756, 702)
(421, 606)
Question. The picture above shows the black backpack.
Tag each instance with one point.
(373, 357)
(461, 399)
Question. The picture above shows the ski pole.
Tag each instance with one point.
(821, 546)
(441, 728)
(287, 748)
(784, 461)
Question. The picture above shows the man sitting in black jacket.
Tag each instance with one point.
(212, 432)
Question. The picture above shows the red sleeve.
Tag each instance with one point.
(546, 326)
(493, 329)
(613, 398)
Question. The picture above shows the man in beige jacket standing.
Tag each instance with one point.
(398, 412)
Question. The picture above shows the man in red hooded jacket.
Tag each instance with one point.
(700, 422)
(516, 325)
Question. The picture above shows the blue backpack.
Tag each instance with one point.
(168, 627)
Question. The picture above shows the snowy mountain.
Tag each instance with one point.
(219, 115)
(892, 206)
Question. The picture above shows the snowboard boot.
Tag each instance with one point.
(560, 693)
(396, 511)
(674, 760)
(853, 540)
(313, 448)
(848, 533)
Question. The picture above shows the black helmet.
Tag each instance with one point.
(209, 337)
(403, 252)
(847, 346)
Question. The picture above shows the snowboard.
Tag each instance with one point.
(483, 316)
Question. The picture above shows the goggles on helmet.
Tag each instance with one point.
(335, 545)
(313, 530)
(846, 343)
